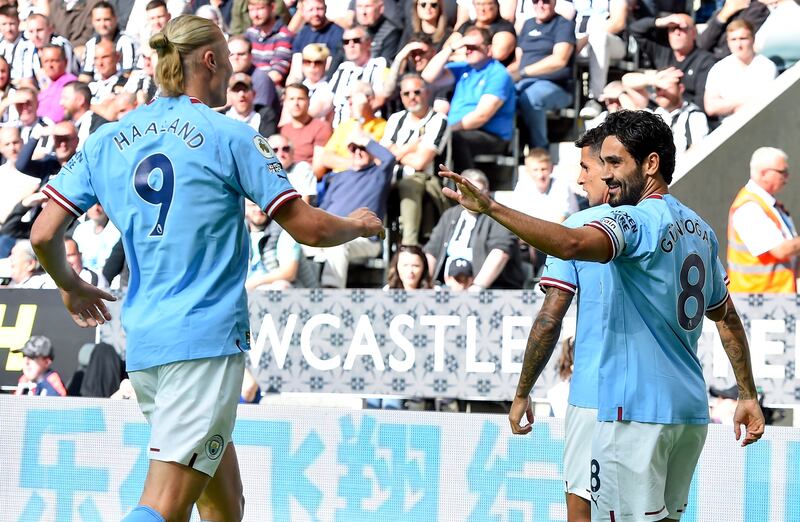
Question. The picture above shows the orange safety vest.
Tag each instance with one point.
(764, 274)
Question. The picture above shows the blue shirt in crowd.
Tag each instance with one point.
(473, 83)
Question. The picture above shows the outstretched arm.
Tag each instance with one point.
(584, 243)
(315, 227)
(748, 411)
(541, 343)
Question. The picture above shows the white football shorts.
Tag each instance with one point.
(579, 427)
(191, 408)
(642, 472)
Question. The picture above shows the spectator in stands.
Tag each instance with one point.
(65, 141)
(75, 259)
(615, 97)
(762, 239)
(739, 78)
(598, 26)
(106, 28)
(240, 99)
(276, 259)
(467, 11)
(209, 12)
(96, 238)
(777, 38)
(242, 62)
(27, 64)
(547, 44)
(681, 53)
(408, 270)
(414, 57)
(688, 123)
(20, 220)
(538, 193)
(337, 154)
(490, 248)
(76, 98)
(71, 19)
(6, 88)
(416, 136)
(37, 377)
(384, 35)
(26, 272)
(142, 81)
(225, 8)
(460, 275)
(481, 114)
(359, 65)
(12, 36)
(365, 184)
(108, 81)
(54, 66)
(271, 40)
(16, 185)
(429, 17)
(298, 172)
(303, 132)
(713, 38)
(27, 105)
(312, 74)
(317, 29)
(503, 36)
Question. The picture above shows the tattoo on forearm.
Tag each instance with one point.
(542, 338)
(734, 341)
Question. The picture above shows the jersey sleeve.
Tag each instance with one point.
(259, 175)
(72, 188)
(561, 274)
(719, 288)
(624, 229)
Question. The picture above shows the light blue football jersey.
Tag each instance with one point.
(171, 176)
(665, 275)
(591, 281)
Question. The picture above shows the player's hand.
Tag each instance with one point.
(521, 406)
(372, 224)
(86, 305)
(748, 412)
(468, 195)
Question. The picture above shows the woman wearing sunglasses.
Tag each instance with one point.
(430, 18)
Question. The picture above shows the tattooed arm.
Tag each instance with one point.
(748, 411)
(541, 343)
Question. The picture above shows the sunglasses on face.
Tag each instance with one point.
(346, 41)
(545, 2)
(313, 62)
(285, 148)
(473, 47)
(408, 94)
(432, 5)
(683, 28)
(353, 148)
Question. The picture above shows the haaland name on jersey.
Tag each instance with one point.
(187, 131)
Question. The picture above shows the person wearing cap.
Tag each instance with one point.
(37, 377)
(240, 98)
(491, 249)
(242, 62)
(54, 65)
(459, 275)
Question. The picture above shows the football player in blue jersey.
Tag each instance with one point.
(172, 176)
(665, 277)
(561, 280)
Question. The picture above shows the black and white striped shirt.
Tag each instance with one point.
(125, 47)
(27, 63)
(431, 130)
(373, 72)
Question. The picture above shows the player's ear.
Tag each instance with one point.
(651, 164)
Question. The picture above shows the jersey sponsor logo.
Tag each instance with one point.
(625, 221)
(214, 447)
(263, 147)
(74, 161)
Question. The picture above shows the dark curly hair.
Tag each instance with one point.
(393, 279)
(592, 138)
(643, 133)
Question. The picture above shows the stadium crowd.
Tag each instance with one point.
(360, 100)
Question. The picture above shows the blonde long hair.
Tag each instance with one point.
(174, 43)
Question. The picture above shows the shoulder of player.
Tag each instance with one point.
(584, 216)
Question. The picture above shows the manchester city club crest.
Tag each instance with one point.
(263, 147)
(214, 447)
